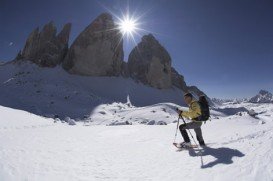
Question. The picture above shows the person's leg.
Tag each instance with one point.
(199, 135)
(197, 128)
(184, 133)
(198, 132)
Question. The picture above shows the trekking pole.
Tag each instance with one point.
(176, 129)
(189, 131)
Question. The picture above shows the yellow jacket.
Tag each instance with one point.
(194, 111)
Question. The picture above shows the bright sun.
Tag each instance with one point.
(128, 26)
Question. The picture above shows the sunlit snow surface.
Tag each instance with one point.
(124, 131)
(36, 148)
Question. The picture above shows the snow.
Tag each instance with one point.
(262, 97)
(57, 126)
(37, 148)
(53, 92)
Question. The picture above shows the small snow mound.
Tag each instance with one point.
(144, 121)
(70, 121)
(262, 122)
(151, 122)
(57, 120)
(117, 123)
(102, 112)
(161, 123)
(252, 113)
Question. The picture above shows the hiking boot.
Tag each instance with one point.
(202, 143)
(185, 144)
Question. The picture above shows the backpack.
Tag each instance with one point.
(204, 106)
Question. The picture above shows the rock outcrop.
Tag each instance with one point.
(262, 97)
(97, 51)
(150, 63)
(178, 80)
(45, 48)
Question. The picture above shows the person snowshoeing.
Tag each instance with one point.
(194, 113)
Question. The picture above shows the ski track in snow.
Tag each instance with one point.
(36, 148)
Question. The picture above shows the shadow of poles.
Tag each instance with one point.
(222, 155)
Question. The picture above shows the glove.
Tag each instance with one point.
(179, 111)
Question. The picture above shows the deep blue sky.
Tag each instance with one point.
(225, 47)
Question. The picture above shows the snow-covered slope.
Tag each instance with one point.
(220, 102)
(239, 137)
(36, 148)
(52, 91)
(120, 113)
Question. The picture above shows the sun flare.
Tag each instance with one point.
(127, 25)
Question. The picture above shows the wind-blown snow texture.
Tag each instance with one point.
(36, 148)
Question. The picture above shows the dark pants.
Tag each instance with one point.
(192, 125)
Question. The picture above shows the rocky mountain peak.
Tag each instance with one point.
(104, 21)
(262, 97)
(63, 36)
(150, 63)
(149, 39)
(264, 92)
(49, 31)
(98, 50)
(45, 48)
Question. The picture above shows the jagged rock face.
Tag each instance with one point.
(98, 50)
(263, 97)
(31, 46)
(178, 80)
(45, 48)
(150, 63)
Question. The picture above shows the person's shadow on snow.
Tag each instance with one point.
(222, 155)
